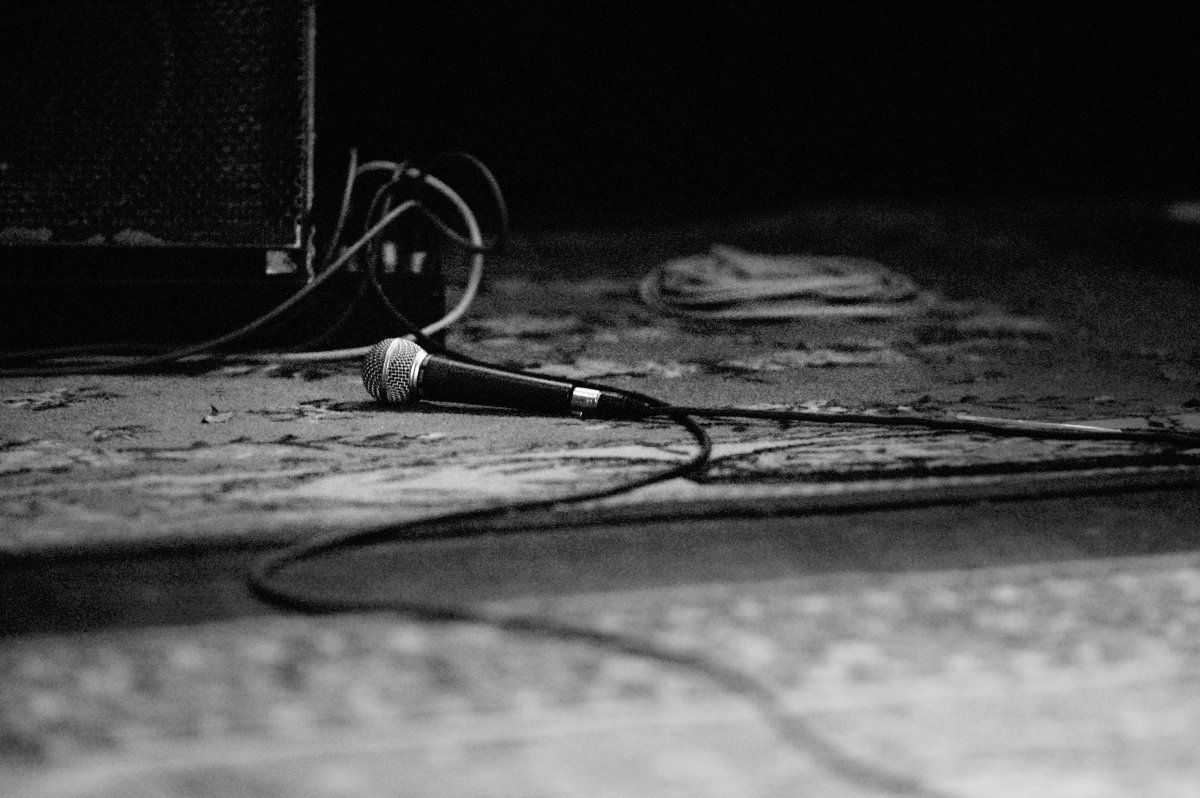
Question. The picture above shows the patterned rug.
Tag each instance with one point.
(873, 676)
(1076, 679)
(350, 464)
(250, 453)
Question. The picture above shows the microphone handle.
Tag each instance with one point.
(445, 380)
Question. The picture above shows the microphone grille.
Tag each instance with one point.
(387, 370)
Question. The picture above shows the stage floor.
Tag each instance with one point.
(833, 610)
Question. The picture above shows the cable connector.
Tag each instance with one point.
(615, 405)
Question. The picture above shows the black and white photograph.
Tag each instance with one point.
(530, 399)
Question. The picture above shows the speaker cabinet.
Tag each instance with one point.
(157, 123)
(154, 141)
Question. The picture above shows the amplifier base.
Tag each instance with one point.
(52, 296)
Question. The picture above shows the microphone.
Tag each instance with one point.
(397, 371)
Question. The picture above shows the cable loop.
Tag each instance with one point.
(335, 262)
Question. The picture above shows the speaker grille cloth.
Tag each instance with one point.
(156, 122)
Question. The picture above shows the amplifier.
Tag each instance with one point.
(146, 146)
(150, 123)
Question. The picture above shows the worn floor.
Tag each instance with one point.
(832, 610)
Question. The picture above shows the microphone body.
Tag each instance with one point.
(397, 371)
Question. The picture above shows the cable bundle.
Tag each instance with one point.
(730, 283)
(407, 187)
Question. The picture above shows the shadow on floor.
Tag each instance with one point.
(204, 585)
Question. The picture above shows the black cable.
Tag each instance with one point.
(335, 326)
(264, 576)
(413, 177)
(370, 263)
(382, 192)
(210, 346)
(202, 347)
(265, 581)
(999, 427)
(174, 354)
(791, 727)
(372, 271)
(335, 236)
(261, 573)
(497, 196)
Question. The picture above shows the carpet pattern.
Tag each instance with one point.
(1071, 673)
(974, 682)
(253, 453)
(343, 472)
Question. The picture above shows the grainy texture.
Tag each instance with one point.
(1037, 648)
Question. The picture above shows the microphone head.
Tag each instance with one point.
(389, 371)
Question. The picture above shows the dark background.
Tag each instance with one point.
(605, 112)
